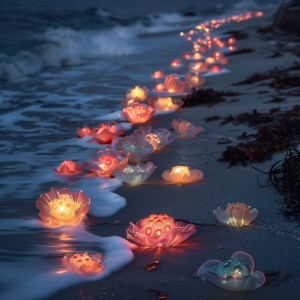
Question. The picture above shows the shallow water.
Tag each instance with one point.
(55, 80)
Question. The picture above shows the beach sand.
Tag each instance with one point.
(273, 242)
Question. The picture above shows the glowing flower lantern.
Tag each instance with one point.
(62, 207)
(134, 146)
(187, 55)
(173, 84)
(194, 80)
(68, 167)
(106, 161)
(84, 131)
(210, 60)
(157, 74)
(138, 113)
(185, 128)
(182, 174)
(165, 103)
(135, 174)
(83, 263)
(160, 87)
(159, 231)
(137, 93)
(176, 63)
(157, 138)
(197, 56)
(197, 67)
(215, 69)
(105, 132)
(235, 274)
(236, 214)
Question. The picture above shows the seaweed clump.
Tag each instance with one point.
(206, 97)
(285, 176)
(276, 131)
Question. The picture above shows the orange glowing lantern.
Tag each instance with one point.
(197, 67)
(210, 60)
(176, 63)
(83, 263)
(106, 161)
(187, 55)
(165, 103)
(173, 84)
(105, 132)
(137, 93)
(236, 214)
(182, 174)
(160, 87)
(185, 128)
(159, 231)
(197, 56)
(194, 80)
(62, 207)
(215, 69)
(138, 113)
(68, 167)
(157, 74)
(84, 131)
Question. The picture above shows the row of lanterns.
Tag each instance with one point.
(64, 207)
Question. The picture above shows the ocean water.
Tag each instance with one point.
(65, 65)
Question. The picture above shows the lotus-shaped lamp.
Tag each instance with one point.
(159, 231)
(173, 84)
(236, 214)
(160, 87)
(84, 131)
(194, 80)
(106, 161)
(185, 128)
(83, 263)
(105, 132)
(69, 168)
(157, 138)
(137, 93)
(182, 174)
(165, 103)
(157, 74)
(176, 63)
(138, 113)
(133, 146)
(62, 207)
(135, 174)
(235, 274)
(197, 67)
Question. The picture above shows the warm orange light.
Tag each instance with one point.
(182, 174)
(83, 264)
(197, 56)
(157, 74)
(84, 131)
(194, 80)
(176, 63)
(137, 93)
(160, 87)
(186, 55)
(165, 103)
(173, 84)
(215, 69)
(197, 67)
(210, 60)
(59, 207)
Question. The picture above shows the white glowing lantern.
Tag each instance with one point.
(182, 174)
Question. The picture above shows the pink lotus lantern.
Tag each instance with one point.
(138, 113)
(84, 131)
(185, 128)
(173, 84)
(106, 161)
(159, 231)
(135, 174)
(182, 174)
(83, 263)
(194, 80)
(105, 132)
(165, 103)
(187, 55)
(157, 74)
(236, 214)
(197, 67)
(215, 69)
(134, 146)
(62, 207)
(157, 138)
(235, 274)
(68, 167)
(137, 93)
